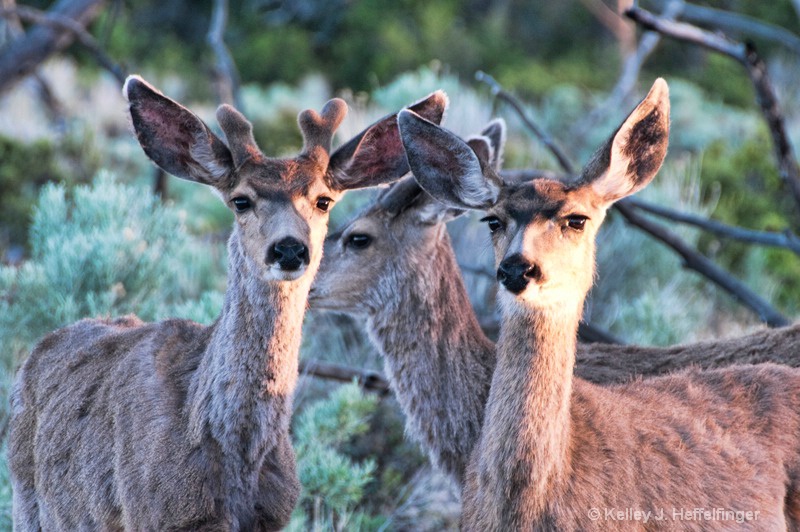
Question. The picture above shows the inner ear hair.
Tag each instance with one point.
(482, 147)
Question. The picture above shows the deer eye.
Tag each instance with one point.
(241, 203)
(494, 223)
(576, 222)
(359, 240)
(324, 203)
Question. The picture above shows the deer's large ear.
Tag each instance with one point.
(629, 160)
(445, 166)
(375, 156)
(175, 138)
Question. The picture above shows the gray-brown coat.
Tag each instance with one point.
(119, 424)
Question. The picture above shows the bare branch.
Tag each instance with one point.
(738, 23)
(615, 23)
(24, 55)
(498, 92)
(67, 25)
(756, 69)
(225, 69)
(693, 260)
(592, 334)
(629, 75)
(369, 380)
(786, 239)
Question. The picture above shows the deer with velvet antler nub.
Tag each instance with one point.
(119, 424)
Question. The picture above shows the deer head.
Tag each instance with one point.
(543, 230)
(281, 205)
(392, 240)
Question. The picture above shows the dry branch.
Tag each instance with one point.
(756, 69)
(693, 260)
(544, 138)
(369, 380)
(629, 75)
(53, 33)
(786, 239)
(225, 70)
(729, 21)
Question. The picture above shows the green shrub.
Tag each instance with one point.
(24, 168)
(333, 485)
(104, 249)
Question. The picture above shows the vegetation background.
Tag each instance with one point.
(82, 232)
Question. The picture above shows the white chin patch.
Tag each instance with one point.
(534, 296)
(276, 274)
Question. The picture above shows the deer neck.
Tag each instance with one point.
(524, 447)
(242, 392)
(437, 357)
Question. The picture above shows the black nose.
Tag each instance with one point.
(515, 272)
(289, 253)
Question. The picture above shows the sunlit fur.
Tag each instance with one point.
(554, 447)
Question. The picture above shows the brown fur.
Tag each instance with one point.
(554, 447)
(437, 358)
(119, 424)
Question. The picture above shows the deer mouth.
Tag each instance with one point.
(277, 273)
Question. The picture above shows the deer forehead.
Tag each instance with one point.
(276, 179)
(541, 200)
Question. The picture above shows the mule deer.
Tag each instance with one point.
(557, 452)
(119, 424)
(394, 265)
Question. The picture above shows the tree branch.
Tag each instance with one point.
(51, 35)
(693, 260)
(83, 37)
(498, 92)
(629, 75)
(727, 20)
(225, 69)
(756, 69)
(369, 380)
(786, 239)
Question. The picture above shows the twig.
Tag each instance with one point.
(629, 75)
(614, 22)
(71, 26)
(786, 239)
(756, 69)
(225, 69)
(498, 92)
(727, 20)
(369, 380)
(705, 266)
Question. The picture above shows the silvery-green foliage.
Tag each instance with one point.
(108, 249)
(642, 293)
(333, 485)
